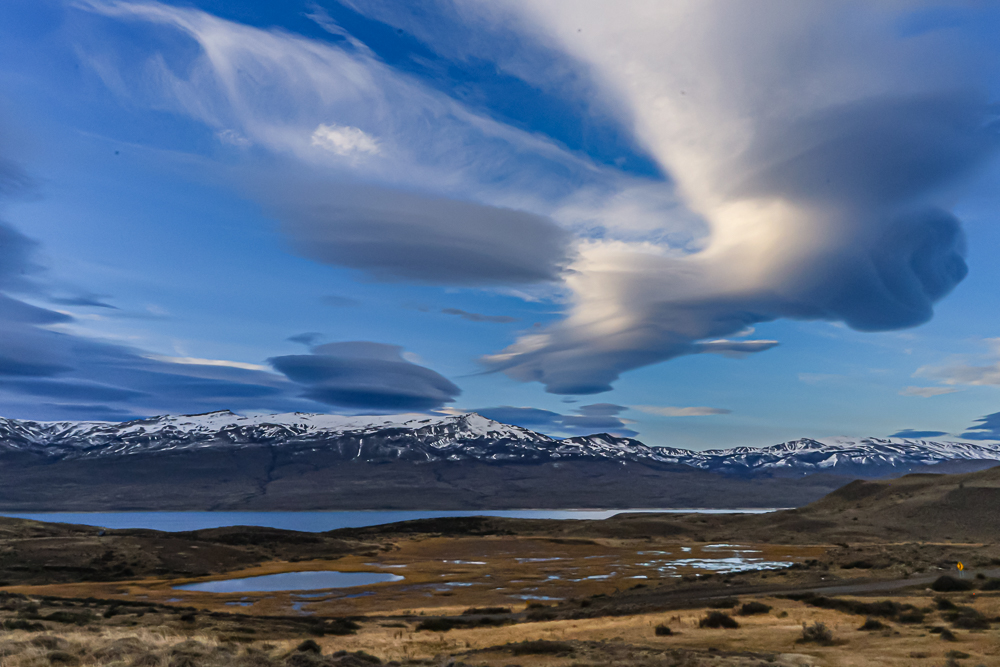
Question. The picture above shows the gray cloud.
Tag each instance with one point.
(985, 428)
(476, 317)
(89, 378)
(596, 418)
(910, 433)
(366, 376)
(394, 235)
(308, 338)
(845, 230)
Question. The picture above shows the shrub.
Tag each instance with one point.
(991, 585)
(441, 624)
(472, 611)
(536, 615)
(872, 624)
(947, 584)
(541, 647)
(21, 624)
(967, 618)
(752, 608)
(817, 633)
(663, 631)
(944, 603)
(948, 635)
(915, 616)
(309, 646)
(69, 617)
(717, 619)
(723, 603)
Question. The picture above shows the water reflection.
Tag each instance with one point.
(292, 581)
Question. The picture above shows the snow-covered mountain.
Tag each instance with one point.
(461, 437)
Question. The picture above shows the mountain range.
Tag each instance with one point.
(300, 460)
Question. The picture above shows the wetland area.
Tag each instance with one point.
(867, 576)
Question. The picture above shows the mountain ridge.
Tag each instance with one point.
(463, 437)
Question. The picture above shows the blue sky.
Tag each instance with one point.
(701, 226)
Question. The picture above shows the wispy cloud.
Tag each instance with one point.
(672, 411)
(927, 392)
(477, 317)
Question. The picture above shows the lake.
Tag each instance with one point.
(317, 522)
(292, 581)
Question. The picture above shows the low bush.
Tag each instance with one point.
(475, 611)
(816, 633)
(22, 624)
(915, 616)
(944, 603)
(872, 624)
(967, 618)
(948, 636)
(723, 603)
(309, 646)
(947, 584)
(663, 631)
(541, 647)
(441, 624)
(68, 617)
(991, 585)
(882, 608)
(752, 608)
(717, 619)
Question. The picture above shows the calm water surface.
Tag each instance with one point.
(317, 522)
(292, 581)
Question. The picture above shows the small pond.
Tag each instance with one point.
(292, 581)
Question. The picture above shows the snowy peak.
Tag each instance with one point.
(460, 437)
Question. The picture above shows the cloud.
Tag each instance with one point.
(669, 411)
(927, 392)
(396, 235)
(910, 433)
(92, 301)
(476, 317)
(344, 140)
(795, 177)
(194, 361)
(366, 376)
(597, 418)
(41, 357)
(985, 428)
(308, 339)
(827, 204)
(961, 372)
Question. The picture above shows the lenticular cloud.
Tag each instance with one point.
(820, 148)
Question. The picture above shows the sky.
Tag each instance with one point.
(698, 223)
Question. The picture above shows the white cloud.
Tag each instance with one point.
(194, 361)
(233, 138)
(927, 392)
(961, 372)
(814, 164)
(807, 146)
(344, 140)
(669, 411)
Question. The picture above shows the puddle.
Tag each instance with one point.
(534, 597)
(239, 604)
(292, 581)
(725, 564)
(467, 562)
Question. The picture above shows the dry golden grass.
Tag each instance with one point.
(513, 567)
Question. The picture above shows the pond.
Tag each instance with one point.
(292, 581)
